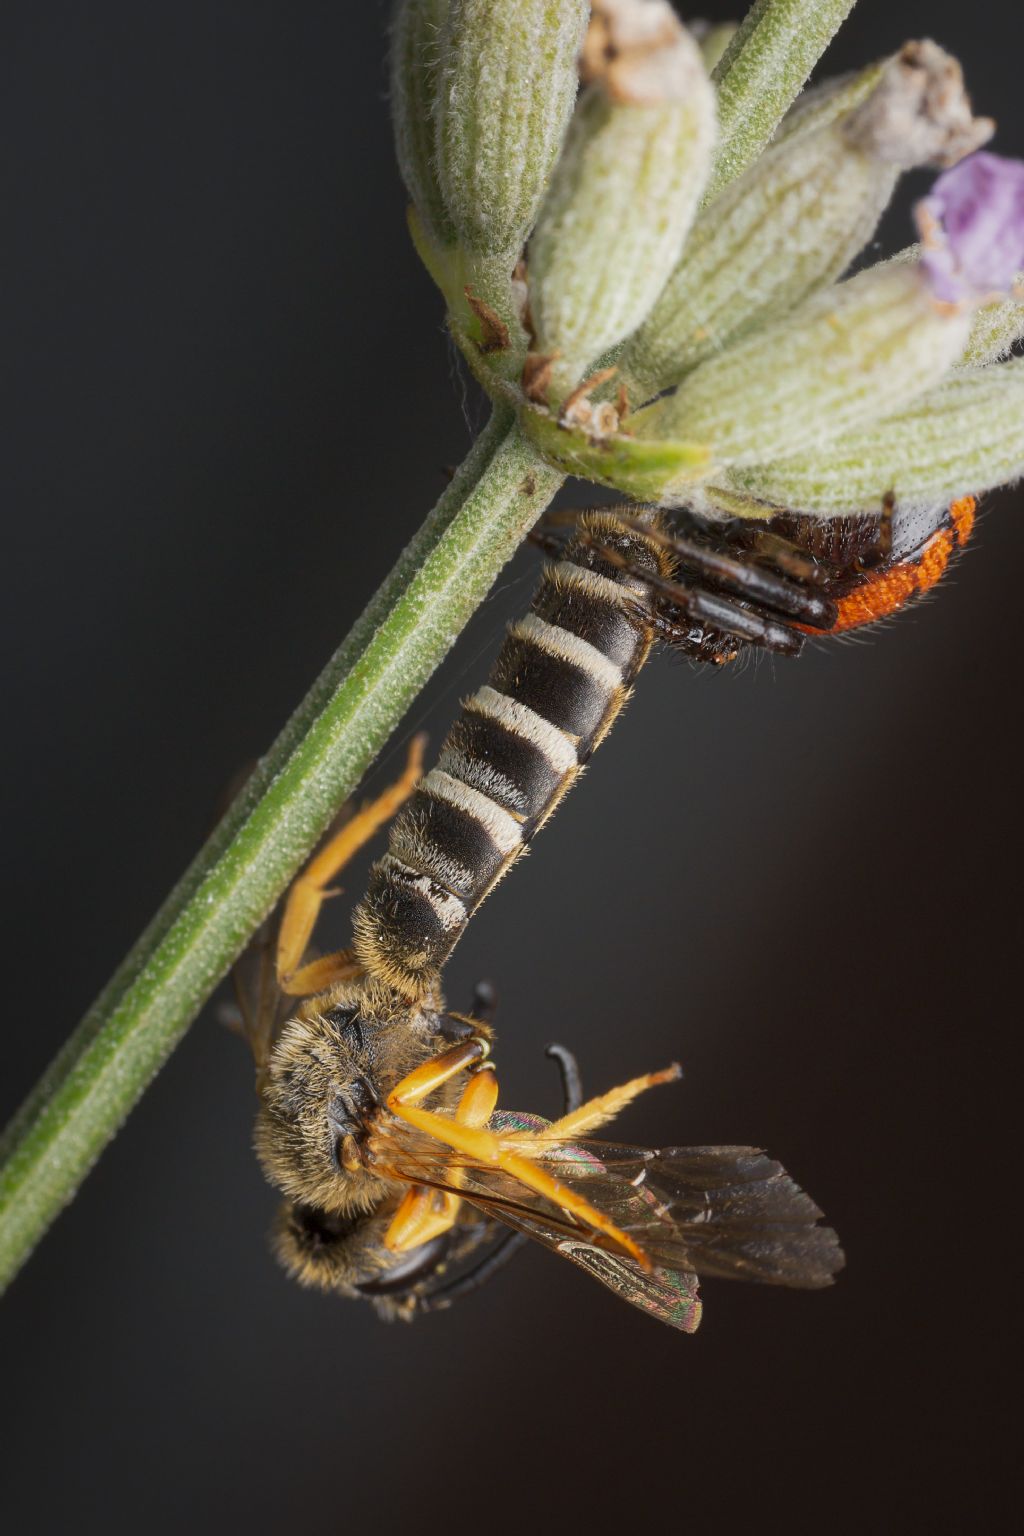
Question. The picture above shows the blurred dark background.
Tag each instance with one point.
(230, 403)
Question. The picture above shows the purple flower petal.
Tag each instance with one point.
(972, 228)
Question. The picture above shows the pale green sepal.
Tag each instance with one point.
(848, 355)
(620, 204)
(917, 111)
(458, 274)
(789, 226)
(641, 469)
(996, 329)
(415, 62)
(441, 261)
(794, 221)
(962, 438)
(506, 91)
(761, 74)
(821, 104)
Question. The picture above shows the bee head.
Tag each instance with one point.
(327, 1077)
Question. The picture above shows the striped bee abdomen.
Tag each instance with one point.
(561, 678)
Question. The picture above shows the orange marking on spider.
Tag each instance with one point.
(882, 595)
(963, 514)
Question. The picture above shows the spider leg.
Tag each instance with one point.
(682, 607)
(787, 592)
(749, 586)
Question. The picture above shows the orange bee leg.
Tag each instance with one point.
(416, 1085)
(479, 1098)
(320, 974)
(598, 1111)
(487, 1147)
(312, 888)
(425, 1213)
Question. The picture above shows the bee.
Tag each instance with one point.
(378, 1116)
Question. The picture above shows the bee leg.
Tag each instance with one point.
(426, 1213)
(488, 1147)
(320, 974)
(509, 1243)
(422, 1080)
(597, 1112)
(423, 1214)
(311, 889)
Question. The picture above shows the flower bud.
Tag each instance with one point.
(847, 355)
(821, 104)
(414, 71)
(963, 437)
(626, 187)
(505, 95)
(800, 214)
(920, 114)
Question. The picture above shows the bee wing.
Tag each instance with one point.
(671, 1296)
(260, 1007)
(730, 1212)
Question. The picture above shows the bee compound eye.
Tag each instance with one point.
(346, 1020)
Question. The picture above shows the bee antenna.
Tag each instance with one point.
(572, 1083)
(485, 1002)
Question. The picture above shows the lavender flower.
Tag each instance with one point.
(972, 229)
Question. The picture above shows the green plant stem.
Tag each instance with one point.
(761, 74)
(351, 710)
